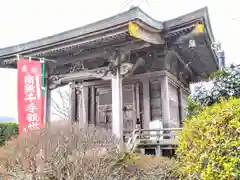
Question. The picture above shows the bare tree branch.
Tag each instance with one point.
(60, 103)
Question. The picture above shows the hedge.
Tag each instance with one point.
(209, 146)
(7, 130)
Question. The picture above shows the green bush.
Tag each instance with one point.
(193, 107)
(7, 130)
(209, 146)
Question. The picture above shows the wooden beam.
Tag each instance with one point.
(99, 73)
(183, 62)
(133, 77)
(85, 74)
(126, 69)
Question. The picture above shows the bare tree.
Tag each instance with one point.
(60, 103)
(74, 153)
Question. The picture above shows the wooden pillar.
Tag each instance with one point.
(146, 102)
(165, 101)
(180, 104)
(72, 103)
(79, 106)
(117, 107)
(93, 106)
(83, 106)
(47, 103)
(84, 120)
(159, 151)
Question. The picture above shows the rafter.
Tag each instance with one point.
(103, 52)
(186, 66)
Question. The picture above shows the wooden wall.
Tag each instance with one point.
(185, 95)
(142, 99)
(174, 106)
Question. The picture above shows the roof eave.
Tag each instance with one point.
(198, 15)
(131, 15)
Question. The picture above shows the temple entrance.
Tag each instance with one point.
(103, 106)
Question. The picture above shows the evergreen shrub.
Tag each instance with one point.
(209, 146)
(7, 130)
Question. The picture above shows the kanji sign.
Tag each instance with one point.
(30, 96)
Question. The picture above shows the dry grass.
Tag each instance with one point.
(66, 152)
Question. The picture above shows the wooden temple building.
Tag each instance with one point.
(127, 69)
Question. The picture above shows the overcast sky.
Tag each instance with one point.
(26, 20)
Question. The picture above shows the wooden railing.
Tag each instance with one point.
(152, 137)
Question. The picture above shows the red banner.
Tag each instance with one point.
(30, 97)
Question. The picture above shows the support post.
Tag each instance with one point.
(47, 102)
(47, 105)
(181, 108)
(165, 101)
(117, 107)
(72, 103)
(83, 119)
(93, 106)
(146, 103)
(158, 151)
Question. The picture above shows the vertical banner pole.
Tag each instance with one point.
(44, 91)
(43, 76)
(46, 110)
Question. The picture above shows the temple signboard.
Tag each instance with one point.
(30, 96)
